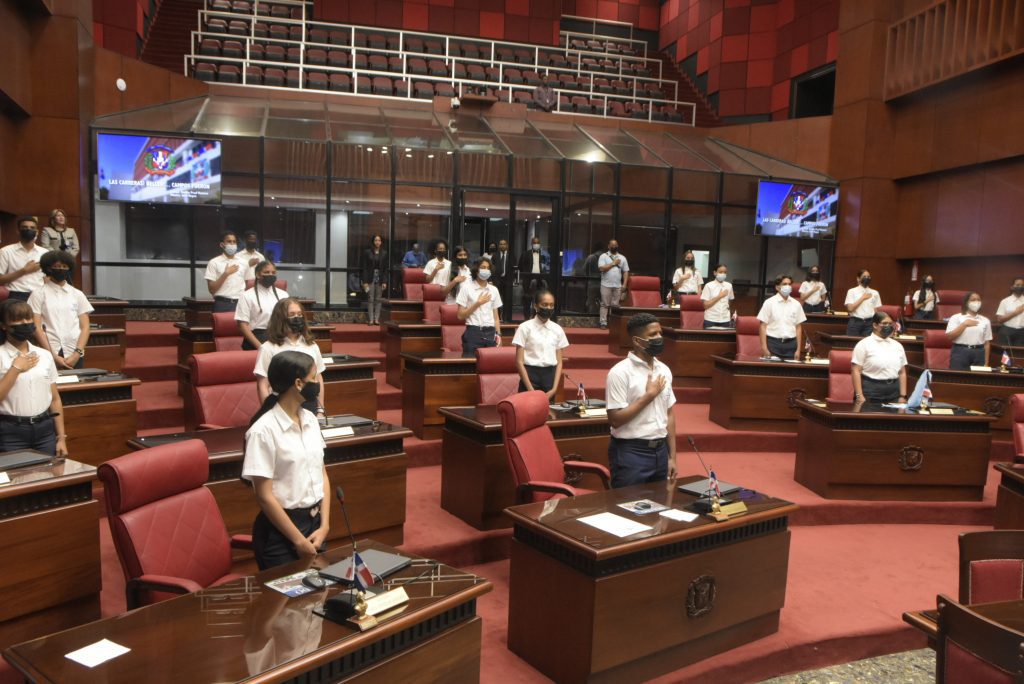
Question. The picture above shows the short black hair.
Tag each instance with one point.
(540, 293)
(782, 276)
(50, 258)
(640, 321)
(26, 217)
(879, 317)
(226, 233)
(249, 233)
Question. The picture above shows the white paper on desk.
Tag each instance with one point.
(98, 653)
(981, 369)
(66, 379)
(5, 479)
(894, 405)
(681, 516)
(345, 431)
(614, 524)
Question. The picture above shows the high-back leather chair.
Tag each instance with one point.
(937, 348)
(951, 302)
(1017, 418)
(895, 312)
(166, 526)
(691, 312)
(991, 566)
(451, 328)
(840, 378)
(280, 284)
(226, 335)
(496, 373)
(224, 388)
(433, 299)
(413, 280)
(538, 470)
(644, 291)
(972, 648)
(748, 338)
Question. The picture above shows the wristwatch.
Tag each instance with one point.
(80, 352)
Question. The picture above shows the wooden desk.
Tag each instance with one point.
(1010, 497)
(199, 312)
(106, 349)
(399, 311)
(109, 312)
(100, 417)
(587, 606)
(876, 454)
(244, 631)
(981, 391)
(432, 380)
(370, 466)
(1007, 613)
(618, 337)
(688, 353)
(50, 565)
(476, 482)
(761, 395)
(914, 348)
(818, 324)
(198, 339)
(419, 338)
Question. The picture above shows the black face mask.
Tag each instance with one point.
(613, 250)
(251, 246)
(22, 331)
(297, 323)
(865, 281)
(1017, 290)
(461, 261)
(655, 346)
(59, 275)
(688, 262)
(441, 254)
(544, 313)
(268, 280)
(310, 391)
(27, 234)
(885, 330)
(928, 284)
(815, 276)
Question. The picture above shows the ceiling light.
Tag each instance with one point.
(430, 156)
(408, 156)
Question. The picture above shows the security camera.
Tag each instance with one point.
(455, 103)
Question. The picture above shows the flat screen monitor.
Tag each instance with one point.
(157, 169)
(797, 210)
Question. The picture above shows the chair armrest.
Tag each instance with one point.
(209, 426)
(171, 585)
(539, 486)
(241, 541)
(592, 468)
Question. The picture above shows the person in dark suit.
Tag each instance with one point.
(375, 263)
(501, 267)
(534, 264)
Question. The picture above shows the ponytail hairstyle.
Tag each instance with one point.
(277, 328)
(454, 272)
(284, 369)
(258, 272)
(13, 310)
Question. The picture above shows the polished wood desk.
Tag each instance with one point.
(588, 606)
(244, 631)
(399, 311)
(688, 353)
(1010, 497)
(618, 316)
(989, 392)
(761, 395)
(872, 453)
(824, 323)
(106, 348)
(199, 311)
(369, 465)
(50, 565)
(419, 338)
(913, 348)
(432, 380)
(108, 312)
(476, 480)
(1007, 613)
(198, 339)
(99, 416)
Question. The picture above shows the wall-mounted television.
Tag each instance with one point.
(797, 210)
(157, 169)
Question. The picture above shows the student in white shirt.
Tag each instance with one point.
(813, 291)
(31, 413)
(539, 343)
(251, 254)
(614, 269)
(284, 460)
(256, 304)
(225, 274)
(288, 330)
(61, 312)
(879, 365)
(1010, 315)
(687, 278)
(861, 303)
(19, 263)
(459, 273)
(480, 306)
(782, 320)
(971, 334)
(925, 299)
(439, 269)
(640, 397)
(716, 296)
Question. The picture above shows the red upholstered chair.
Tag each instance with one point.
(4, 293)
(937, 348)
(991, 566)
(1017, 416)
(280, 284)
(496, 373)
(748, 338)
(972, 648)
(537, 468)
(950, 303)
(644, 291)
(691, 312)
(840, 380)
(433, 300)
(451, 328)
(412, 283)
(226, 335)
(167, 529)
(224, 388)
(895, 312)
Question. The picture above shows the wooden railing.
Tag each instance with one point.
(948, 39)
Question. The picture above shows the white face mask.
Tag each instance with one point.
(720, 277)
(974, 306)
(484, 274)
(786, 290)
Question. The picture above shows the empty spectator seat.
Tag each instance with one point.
(402, 88)
(582, 104)
(254, 75)
(378, 63)
(377, 41)
(317, 35)
(338, 58)
(273, 76)
(413, 44)
(316, 56)
(364, 85)
(274, 53)
(238, 28)
(437, 67)
(567, 82)
(382, 86)
(513, 75)
(229, 73)
(424, 89)
(524, 56)
(396, 64)
(204, 71)
(417, 66)
(293, 78)
(210, 47)
(340, 38)
(433, 47)
(278, 32)
(341, 83)
(444, 90)
(525, 97)
(317, 80)
(493, 74)
(294, 55)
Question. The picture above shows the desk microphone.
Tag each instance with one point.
(344, 511)
(704, 503)
(581, 394)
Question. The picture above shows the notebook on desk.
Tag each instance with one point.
(347, 420)
(380, 563)
(700, 488)
(82, 372)
(22, 459)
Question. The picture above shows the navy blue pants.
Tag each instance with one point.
(713, 324)
(633, 462)
(962, 357)
(475, 338)
(41, 436)
(784, 349)
(858, 327)
(223, 304)
(271, 547)
(814, 308)
(21, 296)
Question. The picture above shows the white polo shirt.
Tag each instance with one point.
(879, 358)
(443, 276)
(269, 350)
(245, 256)
(976, 334)
(469, 292)
(234, 285)
(290, 454)
(719, 311)
(812, 292)
(32, 390)
(15, 257)
(689, 280)
(540, 340)
(781, 316)
(255, 306)
(1011, 303)
(627, 382)
(929, 305)
(59, 306)
(868, 306)
(613, 276)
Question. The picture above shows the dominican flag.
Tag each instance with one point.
(581, 394)
(1007, 361)
(713, 484)
(358, 573)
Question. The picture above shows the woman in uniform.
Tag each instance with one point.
(861, 303)
(539, 343)
(716, 296)
(438, 270)
(288, 330)
(687, 278)
(971, 334)
(879, 365)
(925, 299)
(458, 274)
(1010, 315)
(813, 291)
(480, 306)
(255, 306)
(375, 263)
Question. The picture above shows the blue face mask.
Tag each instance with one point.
(786, 290)
(230, 250)
(720, 277)
(484, 274)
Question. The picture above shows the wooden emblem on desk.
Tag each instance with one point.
(794, 395)
(995, 406)
(700, 597)
(911, 458)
